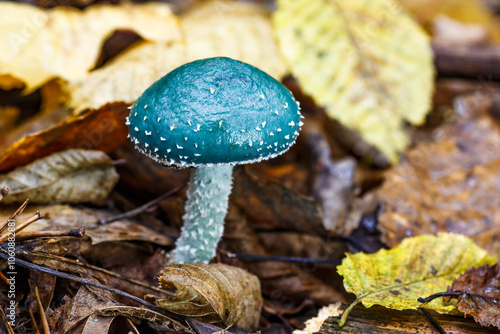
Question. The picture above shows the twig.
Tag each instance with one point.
(6, 321)
(33, 219)
(45, 270)
(14, 215)
(432, 320)
(256, 257)
(45, 324)
(77, 233)
(33, 321)
(68, 262)
(143, 207)
(4, 279)
(440, 294)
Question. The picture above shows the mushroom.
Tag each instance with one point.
(212, 114)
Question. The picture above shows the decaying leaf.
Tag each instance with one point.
(63, 42)
(419, 266)
(485, 310)
(103, 129)
(355, 59)
(450, 184)
(214, 293)
(71, 176)
(216, 28)
(482, 281)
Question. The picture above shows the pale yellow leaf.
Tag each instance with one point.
(127, 76)
(71, 176)
(38, 44)
(217, 28)
(365, 61)
(215, 293)
(232, 29)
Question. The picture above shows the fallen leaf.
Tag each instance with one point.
(450, 184)
(485, 310)
(214, 293)
(419, 266)
(72, 176)
(65, 42)
(238, 30)
(292, 211)
(354, 58)
(481, 281)
(103, 129)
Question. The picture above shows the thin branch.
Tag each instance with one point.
(6, 321)
(14, 215)
(440, 294)
(77, 233)
(45, 324)
(143, 207)
(31, 266)
(19, 228)
(256, 257)
(432, 320)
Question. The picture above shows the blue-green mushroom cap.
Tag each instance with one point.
(214, 111)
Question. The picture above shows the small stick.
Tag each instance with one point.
(33, 219)
(432, 320)
(14, 215)
(440, 294)
(45, 324)
(33, 321)
(4, 279)
(256, 257)
(6, 321)
(143, 207)
(77, 233)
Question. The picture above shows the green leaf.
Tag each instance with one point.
(418, 267)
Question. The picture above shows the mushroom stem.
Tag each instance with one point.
(206, 208)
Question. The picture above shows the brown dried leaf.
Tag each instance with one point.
(65, 42)
(275, 205)
(103, 129)
(451, 184)
(484, 281)
(214, 293)
(485, 310)
(71, 176)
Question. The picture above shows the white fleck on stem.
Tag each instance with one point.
(206, 208)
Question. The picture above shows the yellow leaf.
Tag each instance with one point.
(418, 267)
(216, 293)
(71, 176)
(217, 28)
(366, 62)
(232, 29)
(38, 45)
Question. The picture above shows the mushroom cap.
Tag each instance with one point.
(214, 111)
